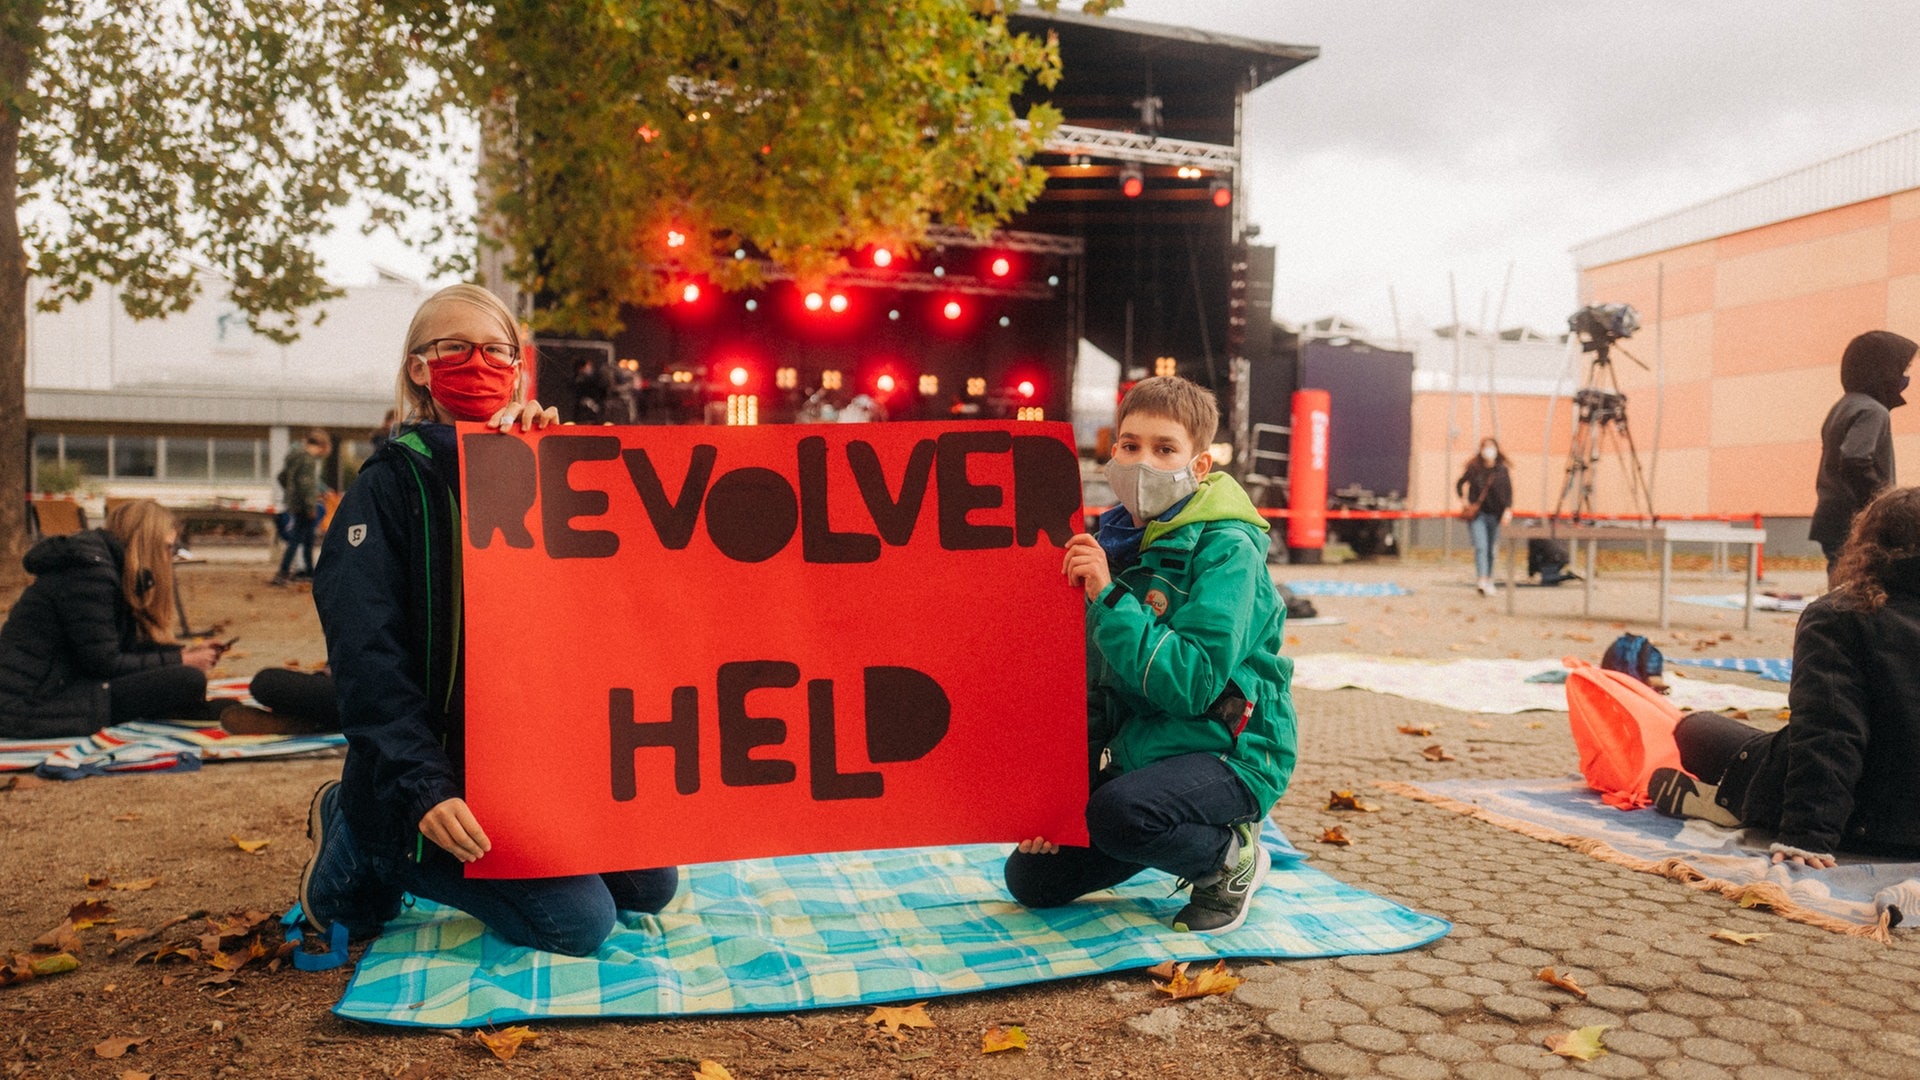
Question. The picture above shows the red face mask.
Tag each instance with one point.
(471, 389)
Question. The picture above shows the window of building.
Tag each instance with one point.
(187, 459)
(90, 452)
(236, 459)
(135, 456)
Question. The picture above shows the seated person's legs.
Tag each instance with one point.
(172, 692)
(644, 891)
(568, 915)
(1173, 815)
(1709, 743)
(307, 696)
(1043, 881)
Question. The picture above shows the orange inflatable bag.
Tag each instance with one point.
(1623, 729)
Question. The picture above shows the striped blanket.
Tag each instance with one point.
(155, 746)
(1770, 669)
(1346, 588)
(814, 931)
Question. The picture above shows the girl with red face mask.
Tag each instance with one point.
(387, 589)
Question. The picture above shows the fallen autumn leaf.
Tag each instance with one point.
(1436, 752)
(251, 847)
(1346, 800)
(1735, 936)
(1564, 982)
(1334, 835)
(507, 1041)
(1213, 980)
(895, 1017)
(712, 1070)
(998, 1038)
(117, 1046)
(1581, 1045)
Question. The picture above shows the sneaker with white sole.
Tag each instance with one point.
(1676, 794)
(1222, 904)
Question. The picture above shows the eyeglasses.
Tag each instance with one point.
(448, 350)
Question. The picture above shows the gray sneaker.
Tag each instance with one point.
(1222, 904)
(339, 882)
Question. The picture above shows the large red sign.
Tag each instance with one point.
(689, 644)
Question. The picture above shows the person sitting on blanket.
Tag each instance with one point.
(1841, 775)
(87, 644)
(1188, 707)
(295, 703)
(387, 588)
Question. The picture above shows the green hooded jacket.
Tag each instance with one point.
(1165, 638)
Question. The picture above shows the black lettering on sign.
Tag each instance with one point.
(907, 714)
(680, 734)
(751, 514)
(818, 542)
(560, 502)
(894, 518)
(501, 504)
(673, 520)
(740, 733)
(960, 496)
(823, 757)
(1046, 490)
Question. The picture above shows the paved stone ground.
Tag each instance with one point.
(1799, 1002)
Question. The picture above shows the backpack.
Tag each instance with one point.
(1636, 656)
(1298, 607)
(1623, 730)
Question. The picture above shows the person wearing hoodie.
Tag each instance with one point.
(1856, 440)
(87, 644)
(387, 589)
(1191, 728)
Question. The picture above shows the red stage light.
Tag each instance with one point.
(1025, 388)
(952, 310)
(1001, 267)
(690, 293)
(882, 257)
(1222, 194)
(738, 376)
(885, 383)
(1132, 181)
(838, 302)
(814, 301)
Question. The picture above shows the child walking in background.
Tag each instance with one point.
(1190, 721)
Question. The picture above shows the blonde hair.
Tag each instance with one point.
(143, 528)
(411, 401)
(1185, 403)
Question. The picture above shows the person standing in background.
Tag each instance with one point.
(1487, 486)
(1856, 440)
(300, 488)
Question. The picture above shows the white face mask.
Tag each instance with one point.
(1147, 492)
(1489, 455)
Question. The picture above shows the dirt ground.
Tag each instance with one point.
(176, 836)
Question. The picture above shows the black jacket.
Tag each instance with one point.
(388, 591)
(1856, 439)
(1488, 485)
(1845, 771)
(70, 632)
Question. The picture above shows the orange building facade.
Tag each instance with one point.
(1745, 302)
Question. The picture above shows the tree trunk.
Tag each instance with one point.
(14, 58)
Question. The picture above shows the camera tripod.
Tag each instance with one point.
(1601, 426)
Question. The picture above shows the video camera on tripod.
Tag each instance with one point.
(1602, 412)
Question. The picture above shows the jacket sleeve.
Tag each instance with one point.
(1501, 493)
(87, 622)
(1828, 731)
(1182, 664)
(1858, 448)
(378, 657)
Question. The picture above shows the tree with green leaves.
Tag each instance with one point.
(142, 143)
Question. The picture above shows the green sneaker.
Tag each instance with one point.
(1222, 904)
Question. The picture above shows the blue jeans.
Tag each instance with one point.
(299, 538)
(1172, 815)
(570, 915)
(1486, 536)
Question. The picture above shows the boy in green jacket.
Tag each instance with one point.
(1190, 723)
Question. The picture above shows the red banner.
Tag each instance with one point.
(693, 644)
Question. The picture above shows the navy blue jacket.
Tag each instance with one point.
(70, 632)
(388, 591)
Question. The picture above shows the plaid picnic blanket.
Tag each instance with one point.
(1862, 896)
(1738, 602)
(1772, 670)
(815, 931)
(1346, 588)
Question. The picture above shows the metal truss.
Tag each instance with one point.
(1145, 149)
(1007, 239)
(919, 281)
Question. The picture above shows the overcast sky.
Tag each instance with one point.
(1436, 137)
(1462, 137)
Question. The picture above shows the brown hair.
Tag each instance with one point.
(322, 438)
(1888, 529)
(1499, 455)
(1185, 403)
(411, 401)
(143, 528)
